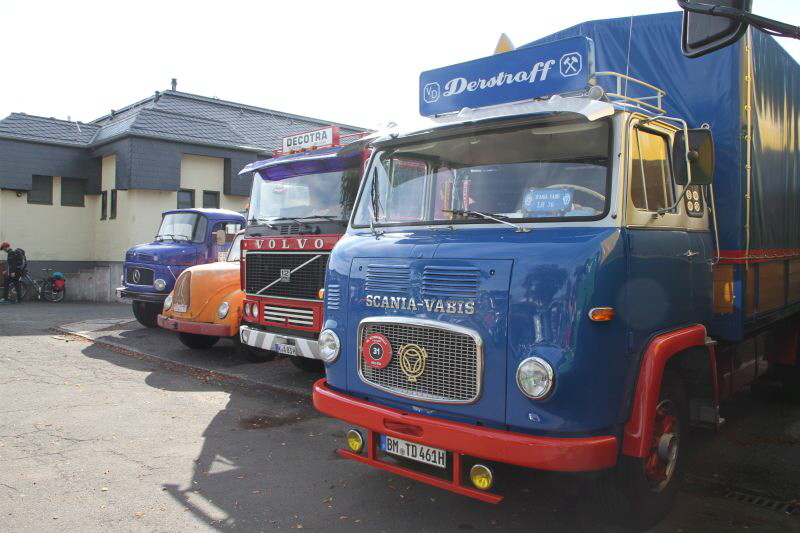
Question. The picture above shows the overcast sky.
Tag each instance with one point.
(356, 62)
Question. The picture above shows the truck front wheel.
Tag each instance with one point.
(146, 313)
(639, 492)
(197, 342)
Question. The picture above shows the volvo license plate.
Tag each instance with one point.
(414, 451)
(287, 349)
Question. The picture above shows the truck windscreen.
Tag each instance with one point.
(538, 173)
(328, 195)
(182, 227)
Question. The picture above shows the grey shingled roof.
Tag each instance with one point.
(30, 127)
(175, 116)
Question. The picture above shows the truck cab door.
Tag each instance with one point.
(218, 250)
(659, 288)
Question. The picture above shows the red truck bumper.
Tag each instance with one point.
(199, 328)
(576, 454)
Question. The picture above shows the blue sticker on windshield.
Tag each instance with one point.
(548, 201)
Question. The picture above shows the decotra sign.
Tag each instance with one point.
(558, 67)
(318, 138)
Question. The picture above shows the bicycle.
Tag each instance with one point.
(51, 288)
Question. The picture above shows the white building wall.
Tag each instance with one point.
(48, 232)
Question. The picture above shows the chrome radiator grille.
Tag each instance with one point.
(289, 316)
(453, 367)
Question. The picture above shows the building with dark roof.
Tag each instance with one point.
(78, 194)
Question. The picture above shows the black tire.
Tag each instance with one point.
(146, 313)
(628, 493)
(197, 342)
(307, 365)
(254, 355)
(51, 295)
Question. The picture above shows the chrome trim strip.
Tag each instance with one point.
(425, 323)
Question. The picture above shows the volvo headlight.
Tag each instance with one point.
(168, 302)
(159, 284)
(254, 311)
(328, 345)
(535, 378)
(222, 310)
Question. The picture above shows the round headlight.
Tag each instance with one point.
(168, 302)
(222, 310)
(159, 284)
(254, 310)
(535, 378)
(328, 345)
(247, 309)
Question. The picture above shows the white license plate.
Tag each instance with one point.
(414, 451)
(287, 349)
(180, 308)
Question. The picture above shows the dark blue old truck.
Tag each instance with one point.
(595, 242)
(185, 237)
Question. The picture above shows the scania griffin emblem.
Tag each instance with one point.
(412, 361)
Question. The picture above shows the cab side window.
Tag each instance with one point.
(651, 182)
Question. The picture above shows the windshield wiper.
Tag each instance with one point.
(332, 218)
(374, 204)
(491, 216)
(161, 237)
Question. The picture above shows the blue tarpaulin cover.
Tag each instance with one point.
(712, 90)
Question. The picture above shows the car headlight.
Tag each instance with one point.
(254, 311)
(328, 345)
(535, 378)
(222, 310)
(159, 284)
(168, 302)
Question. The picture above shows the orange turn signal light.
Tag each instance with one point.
(321, 294)
(601, 314)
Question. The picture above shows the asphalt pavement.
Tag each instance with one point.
(109, 426)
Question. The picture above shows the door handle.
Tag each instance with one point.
(690, 253)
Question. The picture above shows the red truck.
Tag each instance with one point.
(299, 207)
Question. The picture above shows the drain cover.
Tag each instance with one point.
(790, 507)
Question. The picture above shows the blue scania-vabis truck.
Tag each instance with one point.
(593, 245)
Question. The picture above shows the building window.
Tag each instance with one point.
(103, 204)
(113, 211)
(41, 191)
(211, 199)
(185, 198)
(72, 191)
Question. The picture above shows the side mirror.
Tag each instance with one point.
(702, 34)
(701, 157)
(220, 234)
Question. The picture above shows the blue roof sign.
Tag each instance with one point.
(558, 67)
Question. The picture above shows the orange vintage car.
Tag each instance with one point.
(206, 304)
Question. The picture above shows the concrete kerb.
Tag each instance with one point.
(199, 373)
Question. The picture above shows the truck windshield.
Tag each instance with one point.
(182, 227)
(543, 172)
(329, 195)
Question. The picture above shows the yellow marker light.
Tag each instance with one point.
(355, 441)
(321, 294)
(601, 314)
(481, 476)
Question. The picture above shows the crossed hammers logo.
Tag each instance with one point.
(571, 64)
